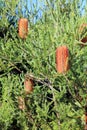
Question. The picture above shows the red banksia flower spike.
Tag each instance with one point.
(23, 28)
(62, 57)
(28, 84)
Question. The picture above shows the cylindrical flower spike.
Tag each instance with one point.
(28, 84)
(21, 103)
(62, 58)
(23, 28)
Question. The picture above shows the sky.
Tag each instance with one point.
(41, 3)
(33, 5)
(84, 3)
(38, 5)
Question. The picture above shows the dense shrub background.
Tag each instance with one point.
(58, 100)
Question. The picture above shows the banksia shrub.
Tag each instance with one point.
(62, 56)
(28, 84)
(23, 28)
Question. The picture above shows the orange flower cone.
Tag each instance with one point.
(21, 103)
(23, 28)
(62, 57)
(28, 85)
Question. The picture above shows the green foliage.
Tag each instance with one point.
(58, 100)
